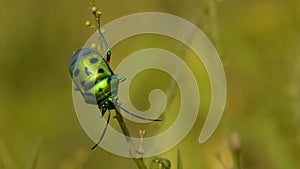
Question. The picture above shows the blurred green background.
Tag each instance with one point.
(258, 42)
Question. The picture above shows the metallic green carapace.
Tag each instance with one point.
(94, 79)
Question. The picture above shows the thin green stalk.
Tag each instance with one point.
(295, 89)
(92, 4)
(138, 161)
(95, 17)
(179, 160)
(237, 159)
(33, 162)
(212, 6)
(236, 150)
(6, 158)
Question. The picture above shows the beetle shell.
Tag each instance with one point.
(93, 77)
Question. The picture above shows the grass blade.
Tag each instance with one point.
(179, 160)
(6, 158)
(36, 152)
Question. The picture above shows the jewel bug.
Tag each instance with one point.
(96, 81)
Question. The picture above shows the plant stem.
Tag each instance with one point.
(138, 161)
(94, 13)
(33, 162)
(214, 21)
(92, 4)
(237, 159)
(236, 150)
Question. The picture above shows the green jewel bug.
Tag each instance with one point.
(96, 81)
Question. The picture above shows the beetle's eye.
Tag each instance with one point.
(94, 60)
(76, 72)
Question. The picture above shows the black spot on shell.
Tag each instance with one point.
(100, 70)
(108, 80)
(76, 72)
(73, 60)
(100, 90)
(93, 60)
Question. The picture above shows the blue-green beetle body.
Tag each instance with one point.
(94, 79)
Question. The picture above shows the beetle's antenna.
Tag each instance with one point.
(139, 117)
(104, 131)
(108, 54)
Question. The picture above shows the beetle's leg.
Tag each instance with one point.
(134, 115)
(108, 53)
(103, 133)
(102, 111)
(122, 79)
